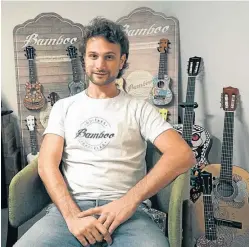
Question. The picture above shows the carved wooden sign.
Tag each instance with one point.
(153, 59)
(43, 69)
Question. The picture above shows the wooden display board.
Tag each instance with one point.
(145, 28)
(50, 35)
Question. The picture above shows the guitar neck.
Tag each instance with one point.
(32, 72)
(76, 77)
(227, 148)
(189, 111)
(162, 71)
(210, 227)
(33, 142)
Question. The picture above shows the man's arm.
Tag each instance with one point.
(177, 158)
(48, 169)
(86, 230)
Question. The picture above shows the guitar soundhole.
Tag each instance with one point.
(160, 84)
(225, 189)
(32, 91)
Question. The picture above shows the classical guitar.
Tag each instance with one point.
(44, 113)
(196, 136)
(161, 93)
(33, 140)
(75, 86)
(34, 99)
(230, 183)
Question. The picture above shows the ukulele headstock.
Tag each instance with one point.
(194, 66)
(72, 51)
(163, 45)
(30, 52)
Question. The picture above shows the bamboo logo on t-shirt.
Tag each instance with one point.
(94, 134)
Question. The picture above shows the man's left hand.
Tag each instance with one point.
(112, 214)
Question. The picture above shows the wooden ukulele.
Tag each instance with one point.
(196, 136)
(34, 99)
(33, 140)
(75, 86)
(230, 183)
(44, 113)
(161, 93)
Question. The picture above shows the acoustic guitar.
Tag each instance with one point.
(230, 183)
(34, 99)
(161, 94)
(198, 138)
(75, 86)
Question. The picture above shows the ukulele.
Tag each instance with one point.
(75, 86)
(44, 114)
(196, 136)
(34, 99)
(161, 93)
(230, 183)
(33, 140)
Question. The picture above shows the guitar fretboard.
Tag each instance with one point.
(227, 148)
(33, 142)
(189, 111)
(162, 66)
(76, 77)
(32, 72)
(210, 227)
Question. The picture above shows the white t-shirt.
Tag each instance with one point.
(105, 142)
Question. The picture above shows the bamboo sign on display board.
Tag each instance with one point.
(153, 60)
(45, 71)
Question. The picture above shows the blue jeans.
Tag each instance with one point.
(52, 231)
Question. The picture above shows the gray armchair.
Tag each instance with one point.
(28, 196)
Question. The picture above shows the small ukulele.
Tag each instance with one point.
(75, 86)
(34, 99)
(161, 93)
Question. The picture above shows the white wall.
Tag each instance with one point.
(216, 31)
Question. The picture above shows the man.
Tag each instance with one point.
(100, 134)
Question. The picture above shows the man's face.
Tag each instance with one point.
(102, 61)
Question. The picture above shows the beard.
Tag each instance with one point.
(101, 81)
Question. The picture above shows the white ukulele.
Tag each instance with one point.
(33, 141)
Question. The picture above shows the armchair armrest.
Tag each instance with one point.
(27, 195)
(180, 188)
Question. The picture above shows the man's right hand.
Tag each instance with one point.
(88, 230)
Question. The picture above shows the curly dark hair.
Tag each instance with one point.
(112, 32)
